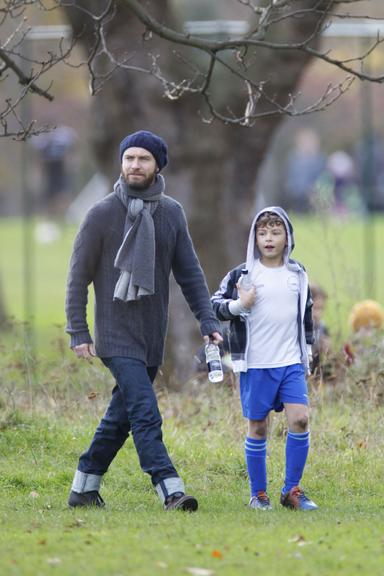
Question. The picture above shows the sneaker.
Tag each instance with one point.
(85, 499)
(180, 501)
(260, 501)
(297, 500)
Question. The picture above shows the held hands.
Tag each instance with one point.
(86, 351)
(247, 296)
(215, 338)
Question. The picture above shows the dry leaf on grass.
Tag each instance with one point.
(200, 571)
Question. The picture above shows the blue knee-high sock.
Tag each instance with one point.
(255, 457)
(296, 452)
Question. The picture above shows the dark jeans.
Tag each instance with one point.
(133, 408)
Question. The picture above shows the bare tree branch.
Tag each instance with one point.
(204, 59)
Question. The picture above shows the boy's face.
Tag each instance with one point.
(271, 240)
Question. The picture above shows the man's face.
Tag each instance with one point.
(271, 241)
(138, 168)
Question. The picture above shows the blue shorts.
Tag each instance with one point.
(266, 389)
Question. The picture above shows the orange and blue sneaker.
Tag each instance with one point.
(297, 500)
(260, 501)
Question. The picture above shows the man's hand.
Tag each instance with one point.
(247, 295)
(215, 338)
(86, 351)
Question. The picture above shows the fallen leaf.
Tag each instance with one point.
(92, 395)
(300, 540)
(296, 539)
(77, 523)
(216, 554)
(53, 561)
(200, 571)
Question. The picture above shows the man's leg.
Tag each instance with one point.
(109, 437)
(135, 384)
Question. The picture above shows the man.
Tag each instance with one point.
(127, 246)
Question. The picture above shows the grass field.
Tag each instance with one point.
(204, 433)
(46, 422)
(333, 251)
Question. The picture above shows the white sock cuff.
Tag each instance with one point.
(83, 482)
(169, 486)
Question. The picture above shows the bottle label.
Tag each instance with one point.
(214, 365)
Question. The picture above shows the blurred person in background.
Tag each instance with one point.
(54, 148)
(127, 246)
(304, 165)
(344, 184)
(369, 158)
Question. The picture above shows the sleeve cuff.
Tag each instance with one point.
(210, 326)
(236, 309)
(80, 338)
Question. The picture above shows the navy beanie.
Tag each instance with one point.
(144, 139)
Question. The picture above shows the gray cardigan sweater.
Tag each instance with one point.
(133, 329)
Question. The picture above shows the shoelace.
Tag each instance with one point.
(299, 493)
(173, 497)
(262, 496)
(99, 499)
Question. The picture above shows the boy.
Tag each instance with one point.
(271, 333)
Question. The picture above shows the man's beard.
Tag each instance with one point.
(140, 184)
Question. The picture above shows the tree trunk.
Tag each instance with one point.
(212, 167)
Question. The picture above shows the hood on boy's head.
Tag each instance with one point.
(252, 251)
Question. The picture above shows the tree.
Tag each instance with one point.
(216, 101)
(203, 63)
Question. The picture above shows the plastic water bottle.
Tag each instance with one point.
(213, 358)
(244, 279)
(246, 283)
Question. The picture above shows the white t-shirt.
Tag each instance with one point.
(272, 322)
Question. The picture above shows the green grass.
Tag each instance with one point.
(204, 433)
(47, 419)
(338, 255)
(333, 251)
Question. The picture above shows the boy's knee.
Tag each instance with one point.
(257, 429)
(301, 422)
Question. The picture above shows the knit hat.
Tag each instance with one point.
(144, 139)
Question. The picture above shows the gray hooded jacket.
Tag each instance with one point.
(228, 292)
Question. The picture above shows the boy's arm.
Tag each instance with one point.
(225, 301)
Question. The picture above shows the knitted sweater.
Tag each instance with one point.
(133, 329)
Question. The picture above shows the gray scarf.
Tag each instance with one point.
(136, 256)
